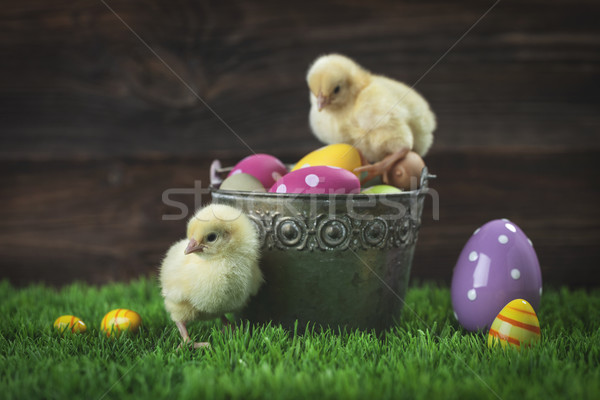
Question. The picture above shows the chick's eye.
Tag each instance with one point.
(337, 89)
(211, 237)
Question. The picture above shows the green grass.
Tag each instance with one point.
(427, 356)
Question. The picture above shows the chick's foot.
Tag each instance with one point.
(382, 167)
(195, 345)
(186, 337)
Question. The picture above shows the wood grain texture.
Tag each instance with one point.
(552, 196)
(77, 82)
(101, 221)
(94, 125)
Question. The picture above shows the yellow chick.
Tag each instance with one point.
(375, 114)
(212, 272)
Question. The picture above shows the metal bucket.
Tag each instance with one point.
(339, 261)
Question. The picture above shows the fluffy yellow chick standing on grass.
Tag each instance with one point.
(379, 116)
(212, 272)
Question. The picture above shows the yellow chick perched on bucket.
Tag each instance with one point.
(212, 272)
(377, 115)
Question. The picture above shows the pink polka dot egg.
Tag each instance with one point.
(318, 180)
(264, 167)
(497, 265)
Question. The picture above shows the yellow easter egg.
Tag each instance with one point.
(339, 155)
(517, 326)
(120, 320)
(69, 323)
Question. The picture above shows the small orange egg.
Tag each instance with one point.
(69, 323)
(120, 320)
(516, 325)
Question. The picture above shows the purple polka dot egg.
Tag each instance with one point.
(497, 265)
(318, 180)
(264, 167)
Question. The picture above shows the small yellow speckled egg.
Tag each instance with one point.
(69, 323)
(517, 326)
(338, 155)
(120, 320)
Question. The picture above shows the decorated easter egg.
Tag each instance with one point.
(242, 182)
(120, 320)
(267, 169)
(381, 189)
(497, 264)
(335, 155)
(69, 323)
(318, 180)
(516, 325)
(406, 172)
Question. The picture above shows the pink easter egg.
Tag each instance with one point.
(267, 169)
(318, 180)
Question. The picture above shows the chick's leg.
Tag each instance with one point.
(227, 327)
(383, 166)
(186, 337)
(225, 321)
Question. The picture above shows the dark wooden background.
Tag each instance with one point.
(94, 127)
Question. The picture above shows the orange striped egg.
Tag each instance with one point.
(120, 320)
(70, 323)
(517, 325)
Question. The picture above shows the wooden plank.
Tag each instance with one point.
(77, 83)
(102, 220)
(552, 196)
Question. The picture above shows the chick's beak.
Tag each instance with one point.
(193, 246)
(322, 101)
